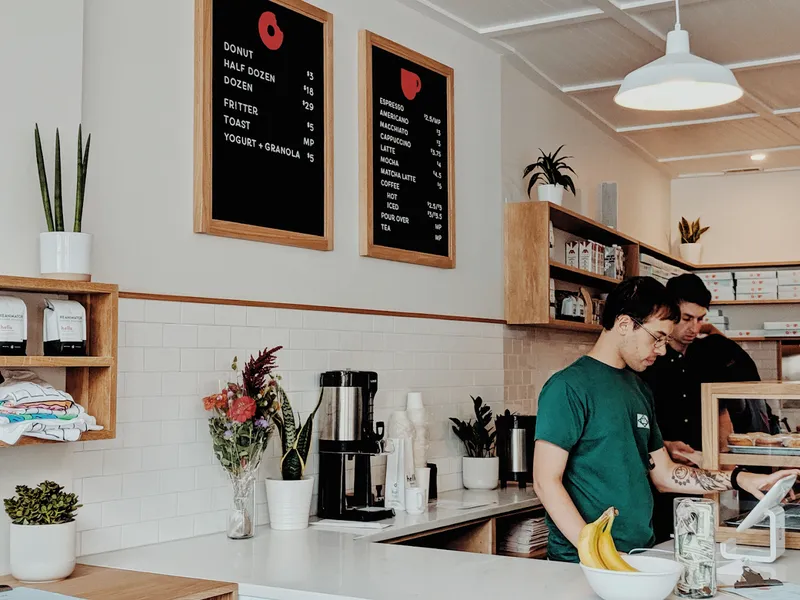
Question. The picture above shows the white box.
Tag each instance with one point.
(571, 250)
(757, 296)
(788, 279)
(788, 295)
(755, 274)
(599, 265)
(585, 256)
(746, 333)
(789, 288)
(782, 333)
(789, 274)
(757, 289)
(717, 320)
(723, 295)
(782, 325)
(714, 312)
(744, 283)
(715, 275)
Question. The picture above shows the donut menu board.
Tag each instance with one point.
(407, 193)
(263, 121)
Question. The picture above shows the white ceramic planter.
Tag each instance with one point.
(551, 193)
(692, 253)
(65, 255)
(289, 502)
(42, 553)
(481, 473)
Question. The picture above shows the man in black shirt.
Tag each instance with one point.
(676, 379)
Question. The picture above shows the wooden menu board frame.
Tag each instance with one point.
(368, 40)
(203, 159)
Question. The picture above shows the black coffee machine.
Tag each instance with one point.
(515, 440)
(346, 433)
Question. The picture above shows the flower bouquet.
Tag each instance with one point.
(242, 422)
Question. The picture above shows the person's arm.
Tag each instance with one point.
(668, 476)
(549, 462)
(678, 451)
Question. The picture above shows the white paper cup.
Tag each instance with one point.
(423, 475)
(414, 401)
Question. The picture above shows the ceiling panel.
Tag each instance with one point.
(602, 102)
(728, 136)
(778, 86)
(585, 52)
(776, 160)
(483, 13)
(729, 31)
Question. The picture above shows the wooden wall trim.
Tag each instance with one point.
(311, 307)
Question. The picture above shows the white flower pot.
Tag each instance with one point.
(481, 473)
(692, 253)
(41, 553)
(289, 502)
(65, 255)
(551, 193)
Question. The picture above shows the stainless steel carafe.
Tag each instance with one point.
(347, 398)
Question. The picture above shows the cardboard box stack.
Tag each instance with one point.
(717, 319)
(658, 269)
(789, 285)
(756, 285)
(782, 329)
(720, 284)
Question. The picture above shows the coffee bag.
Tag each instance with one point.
(64, 328)
(13, 326)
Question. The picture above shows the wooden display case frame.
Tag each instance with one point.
(92, 379)
(713, 459)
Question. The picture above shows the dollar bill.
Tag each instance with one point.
(695, 547)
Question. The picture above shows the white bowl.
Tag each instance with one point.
(655, 580)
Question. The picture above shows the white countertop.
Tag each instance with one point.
(319, 564)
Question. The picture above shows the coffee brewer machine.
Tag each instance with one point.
(515, 440)
(346, 433)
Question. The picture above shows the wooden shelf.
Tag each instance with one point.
(571, 326)
(760, 460)
(88, 436)
(538, 553)
(90, 380)
(56, 361)
(667, 258)
(577, 224)
(756, 302)
(748, 266)
(563, 272)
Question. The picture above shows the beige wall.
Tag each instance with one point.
(753, 218)
(532, 119)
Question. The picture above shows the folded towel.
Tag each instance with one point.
(50, 429)
(23, 387)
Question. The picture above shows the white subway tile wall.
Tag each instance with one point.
(159, 479)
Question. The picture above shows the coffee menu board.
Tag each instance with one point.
(406, 154)
(264, 121)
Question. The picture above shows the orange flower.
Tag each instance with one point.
(242, 409)
(209, 401)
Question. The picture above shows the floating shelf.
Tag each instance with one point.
(56, 361)
(571, 326)
(90, 380)
(563, 272)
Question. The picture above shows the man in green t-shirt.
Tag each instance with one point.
(597, 439)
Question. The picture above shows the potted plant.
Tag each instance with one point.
(289, 498)
(691, 248)
(481, 468)
(42, 536)
(551, 169)
(241, 426)
(64, 254)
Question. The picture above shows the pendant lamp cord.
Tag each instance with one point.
(677, 15)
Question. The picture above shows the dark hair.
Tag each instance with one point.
(689, 288)
(639, 298)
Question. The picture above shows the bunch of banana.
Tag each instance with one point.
(596, 546)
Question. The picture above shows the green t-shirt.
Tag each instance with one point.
(604, 418)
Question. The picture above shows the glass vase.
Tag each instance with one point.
(242, 513)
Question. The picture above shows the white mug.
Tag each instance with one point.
(415, 500)
(424, 480)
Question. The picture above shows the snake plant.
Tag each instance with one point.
(54, 216)
(296, 442)
(690, 232)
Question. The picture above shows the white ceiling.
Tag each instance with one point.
(582, 49)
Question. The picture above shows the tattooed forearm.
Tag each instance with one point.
(700, 480)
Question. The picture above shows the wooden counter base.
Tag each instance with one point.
(98, 583)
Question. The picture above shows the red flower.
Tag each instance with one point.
(243, 409)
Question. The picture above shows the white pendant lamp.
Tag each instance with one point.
(679, 80)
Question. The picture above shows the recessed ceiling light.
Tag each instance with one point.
(758, 157)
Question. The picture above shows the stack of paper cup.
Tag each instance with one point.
(418, 416)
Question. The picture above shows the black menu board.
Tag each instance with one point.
(263, 121)
(407, 193)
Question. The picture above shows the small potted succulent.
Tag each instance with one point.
(481, 468)
(691, 248)
(42, 536)
(64, 254)
(551, 169)
(289, 498)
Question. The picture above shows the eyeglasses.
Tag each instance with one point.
(660, 341)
